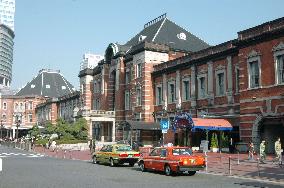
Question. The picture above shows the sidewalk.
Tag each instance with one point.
(218, 163)
(242, 167)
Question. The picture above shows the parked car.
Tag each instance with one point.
(116, 154)
(172, 160)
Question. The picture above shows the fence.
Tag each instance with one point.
(20, 145)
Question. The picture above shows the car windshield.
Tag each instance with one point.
(182, 151)
(123, 148)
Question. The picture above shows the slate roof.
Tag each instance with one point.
(163, 31)
(47, 83)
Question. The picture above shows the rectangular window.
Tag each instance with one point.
(127, 100)
(254, 74)
(202, 87)
(139, 97)
(30, 118)
(171, 92)
(185, 90)
(4, 106)
(139, 70)
(159, 95)
(127, 77)
(237, 80)
(30, 105)
(280, 69)
(220, 84)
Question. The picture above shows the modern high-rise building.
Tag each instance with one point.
(6, 55)
(7, 13)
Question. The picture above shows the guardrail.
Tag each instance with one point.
(20, 145)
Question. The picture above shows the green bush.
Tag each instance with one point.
(214, 141)
(224, 140)
(41, 141)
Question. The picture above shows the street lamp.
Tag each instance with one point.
(2, 127)
(18, 123)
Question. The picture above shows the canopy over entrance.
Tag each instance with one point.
(212, 124)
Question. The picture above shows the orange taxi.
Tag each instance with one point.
(172, 160)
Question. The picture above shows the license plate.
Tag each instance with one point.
(129, 155)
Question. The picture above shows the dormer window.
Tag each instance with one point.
(47, 86)
(63, 87)
(32, 86)
(181, 36)
(141, 38)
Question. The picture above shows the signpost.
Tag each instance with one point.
(164, 127)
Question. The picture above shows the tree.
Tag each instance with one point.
(224, 140)
(34, 132)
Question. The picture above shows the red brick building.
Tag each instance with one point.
(157, 76)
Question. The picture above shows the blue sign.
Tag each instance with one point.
(164, 124)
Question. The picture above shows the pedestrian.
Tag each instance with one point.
(231, 146)
(262, 151)
(251, 151)
(278, 151)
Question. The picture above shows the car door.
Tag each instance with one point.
(155, 158)
(100, 154)
(162, 159)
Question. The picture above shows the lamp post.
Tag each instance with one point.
(2, 127)
(18, 123)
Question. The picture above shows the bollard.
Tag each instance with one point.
(70, 154)
(238, 158)
(220, 156)
(230, 167)
(0, 164)
(258, 171)
(56, 152)
(64, 155)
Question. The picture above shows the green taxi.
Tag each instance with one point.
(116, 154)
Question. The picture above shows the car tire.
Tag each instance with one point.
(142, 166)
(95, 160)
(191, 173)
(131, 164)
(168, 170)
(111, 162)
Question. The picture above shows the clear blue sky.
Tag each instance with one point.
(56, 33)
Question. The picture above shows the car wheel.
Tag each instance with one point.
(131, 164)
(191, 173)
(111, 162)
(95, 161)
(168, 170)
(142, 166)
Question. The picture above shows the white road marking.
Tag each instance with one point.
(21, 154)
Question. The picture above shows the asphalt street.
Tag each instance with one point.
(31, 170)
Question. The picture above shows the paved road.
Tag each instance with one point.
(22, 170)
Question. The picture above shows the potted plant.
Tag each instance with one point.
(224, 142)
(214, 143)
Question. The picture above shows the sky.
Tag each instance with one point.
(54, 34)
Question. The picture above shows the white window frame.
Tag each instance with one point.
(139, 70)
(159, 99)
(218, 91)
(203, 96)
(171, 96)
(127, 76)
(139, 96)
(127, 100)
(253, 57)
(278, 51)
(184, 98)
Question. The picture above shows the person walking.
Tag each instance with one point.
(251, 151)
(262, 151)
(278, 151)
